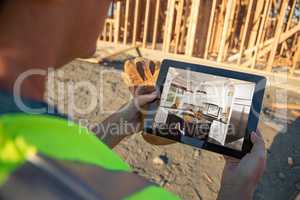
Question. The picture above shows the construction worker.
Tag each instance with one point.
(43, 156)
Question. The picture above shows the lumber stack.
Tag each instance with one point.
(256, 34)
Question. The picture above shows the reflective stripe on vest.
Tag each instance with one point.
(22, 135)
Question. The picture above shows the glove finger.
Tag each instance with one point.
(152, 67)
(132, 75)
(140, 66)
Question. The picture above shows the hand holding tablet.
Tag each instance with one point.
(206, 107)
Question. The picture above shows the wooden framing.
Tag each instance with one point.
(291, 15)
(267, 8)
(110, 31)
(296, 59)
(209, 34)
(169, 25)
(230, 32)
(135, 25)
(146, 23)
(154, 39)
(255, 22)
(225, 29)
(126, 21)
(178, 24)
(259, 34)
(192, 28)
(244, 34)
(277, 34)
(117, 23)
(184, 27)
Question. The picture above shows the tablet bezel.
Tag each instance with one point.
(260, 83)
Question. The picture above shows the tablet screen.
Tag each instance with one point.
(205, 107)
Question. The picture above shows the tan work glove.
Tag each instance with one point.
(140, 75)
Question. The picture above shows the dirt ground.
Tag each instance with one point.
(190, 173)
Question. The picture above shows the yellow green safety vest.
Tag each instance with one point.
(23, 135)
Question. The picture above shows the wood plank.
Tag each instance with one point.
(105, 31)
(296, 58)
(267, 9)
(178, 24)
(292, 11)
(157, 8)
(225, 30)
(291, 15)
(135, 23)
(219, 27)
(209, 34)
(230, 35)
(246, 29)
(146, 23)
(169, 25)
(117, 22)
(278, 32)
(126, 21)
(192, 28)
(111, 30)
(255, 23)
(166, 25)
(184, 22)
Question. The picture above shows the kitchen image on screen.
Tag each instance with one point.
(205, 107)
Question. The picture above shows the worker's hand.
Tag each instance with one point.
(240, 178)
(140, 75)
(140, 72)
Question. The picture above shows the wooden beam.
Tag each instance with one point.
(146, 23)
(184, 22)
(292, 11)
(169, 25)
(105, 31)
(296, 58)
(178, 24)
(261, 28)
(230, 35)
(244, 34)
(111, 23)
(126, 21)
(192, 28)
(278, 32)
(291, 15)
(157, 8)
(135, 23)
(225, 30)
(218, 28)
(117, 22)
(209, 34)
(255, 22)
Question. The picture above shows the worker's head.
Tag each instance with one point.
(70, 26)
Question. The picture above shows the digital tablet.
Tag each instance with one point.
(206, 107)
